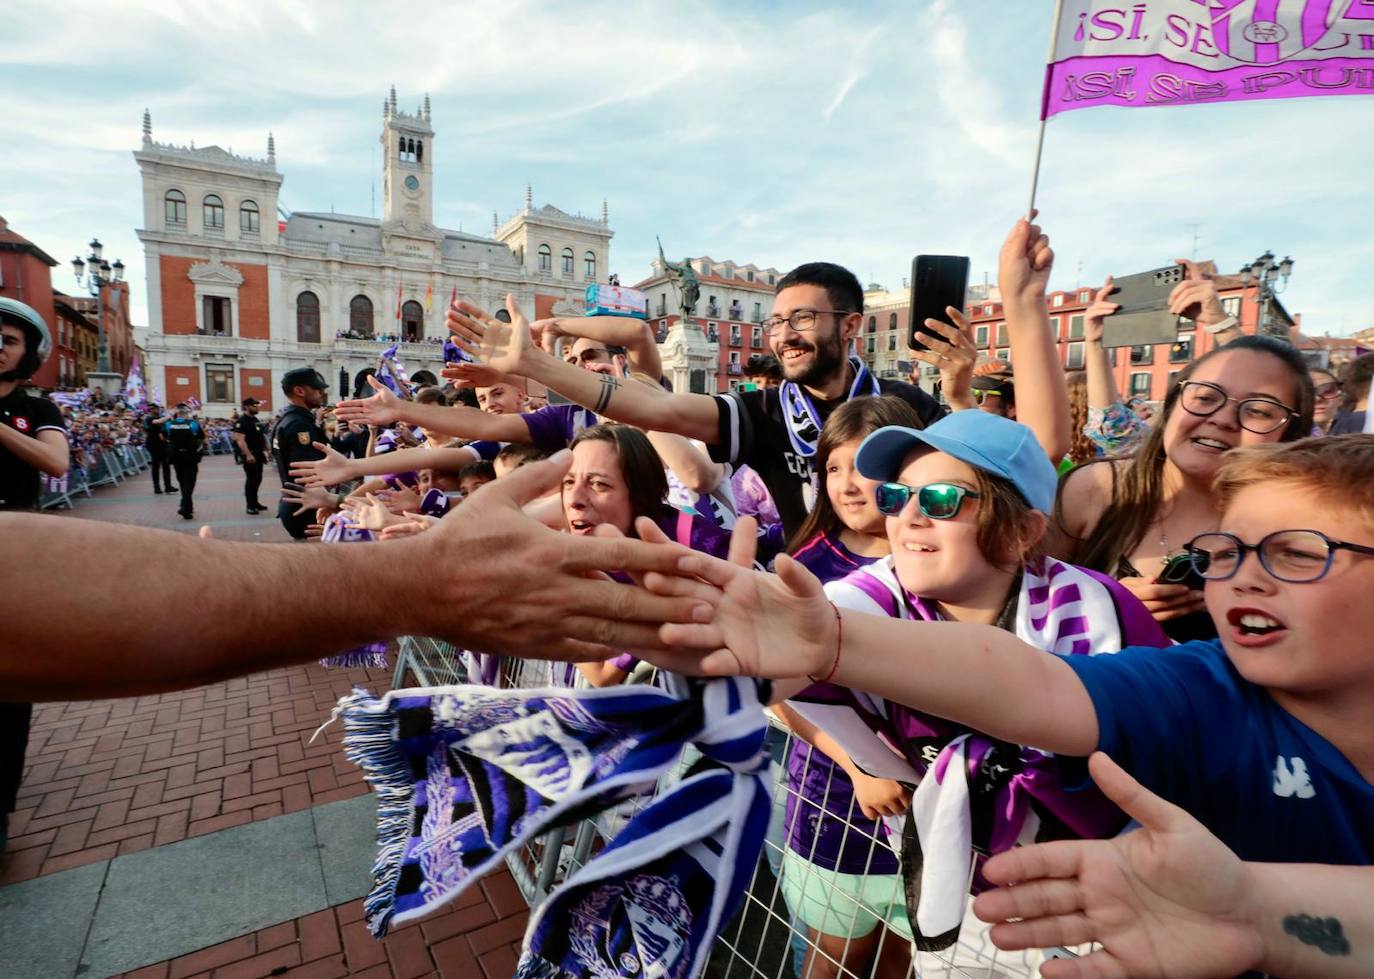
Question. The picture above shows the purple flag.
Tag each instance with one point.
(1181, 52)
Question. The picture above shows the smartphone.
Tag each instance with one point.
(937, 281)
(503, 316)
(1179, 570)
(1144, 318)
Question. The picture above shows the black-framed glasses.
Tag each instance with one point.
(1327, 391)
(1258, 415)
(1295, 556)
(938, 501)
(801, 320)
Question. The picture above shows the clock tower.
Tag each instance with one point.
(408, 168)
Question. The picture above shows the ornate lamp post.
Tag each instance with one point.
(98, 273)
(1270, 278)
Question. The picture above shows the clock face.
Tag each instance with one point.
(412, 183)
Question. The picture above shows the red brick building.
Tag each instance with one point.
(76, 342)
(1140, 371)
(26, 275)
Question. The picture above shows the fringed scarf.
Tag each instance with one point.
(803, 424)
(340, 529)
(466, 774)
(982, 796)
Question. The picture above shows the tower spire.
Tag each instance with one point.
(271, 149)
(426, 107)
(147, 127)
(392, 101)
(529, 197)
(605, 212)
(494, 224)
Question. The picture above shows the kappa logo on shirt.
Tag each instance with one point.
(1291, 778)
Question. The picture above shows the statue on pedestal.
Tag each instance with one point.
(685, 278)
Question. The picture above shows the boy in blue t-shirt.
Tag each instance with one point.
(1264, 735)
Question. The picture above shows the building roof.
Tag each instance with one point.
(13, 241)
(353, 232)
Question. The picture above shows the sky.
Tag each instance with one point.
(772, 133)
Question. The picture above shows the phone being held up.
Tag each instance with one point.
(937, 281)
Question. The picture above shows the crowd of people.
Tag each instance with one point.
(958, 600)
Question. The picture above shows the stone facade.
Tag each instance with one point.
(237, 297)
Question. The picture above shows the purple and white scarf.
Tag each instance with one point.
(339, 528)
(979, 796)
(798, 411)
(466, 774)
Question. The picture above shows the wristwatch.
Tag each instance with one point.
(1221, 327)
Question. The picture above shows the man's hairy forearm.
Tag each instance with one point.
(173, 612)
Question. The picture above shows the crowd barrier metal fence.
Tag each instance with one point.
(92, 468)
(767, 939)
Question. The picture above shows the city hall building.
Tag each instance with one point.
(238, 296)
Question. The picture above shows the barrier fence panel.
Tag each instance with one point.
(799, 920)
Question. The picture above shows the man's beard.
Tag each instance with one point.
(827, 360)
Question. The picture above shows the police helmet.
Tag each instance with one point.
(38, 341)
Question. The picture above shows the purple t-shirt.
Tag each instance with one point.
(554, 426)
(830, 829)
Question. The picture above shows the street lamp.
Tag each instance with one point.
(98, 274)
(1270, 279)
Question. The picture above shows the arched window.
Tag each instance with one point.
(419, 151)
(412, 320)
(308, 318)
(589, 265)
(872, 323)
(360, 317)
(214, 212)
(567, 261)
(174, 205)
(892, 321)
(545, 258)
(249, 218)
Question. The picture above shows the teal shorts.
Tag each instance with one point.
(847, 905)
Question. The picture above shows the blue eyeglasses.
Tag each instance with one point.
(1295, 556)
(938, 501)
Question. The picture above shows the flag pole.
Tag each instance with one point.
(1044, 105)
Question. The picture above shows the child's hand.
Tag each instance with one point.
(879, 797)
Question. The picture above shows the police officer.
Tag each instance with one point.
(252, 445)
(154, 435)
(297, 431)
(33, 440)
(185, 444)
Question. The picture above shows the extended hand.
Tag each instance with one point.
(769, 625)
(1023, 267)
(954, 355)
(1168, 899)
(329, 471)
(1098, 312)
(308, 498)
(878, 797)
(1196, 298)
(382, 409)
(500, 346)
(472, 375)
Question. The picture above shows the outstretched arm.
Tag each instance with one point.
(1023, 275)
(1169, 899)
(782, 626)
(337, 468)
(507, 347)
(692, 468)
(619, 331)
(384, 408)
(259, 608)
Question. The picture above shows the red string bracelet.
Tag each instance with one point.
(839, 642)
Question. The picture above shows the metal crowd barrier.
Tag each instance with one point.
(91, 468)
(766, 940)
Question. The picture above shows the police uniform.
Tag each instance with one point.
(20, 489)
(256, 444)
(185, 438)
(293, 440)
(160, 464)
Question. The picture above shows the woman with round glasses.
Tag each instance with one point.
(1130, 518)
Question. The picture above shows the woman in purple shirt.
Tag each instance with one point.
(839, 875)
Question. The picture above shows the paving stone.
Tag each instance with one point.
(44, 922)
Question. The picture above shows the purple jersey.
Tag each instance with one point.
(820, 829)
(555, 426)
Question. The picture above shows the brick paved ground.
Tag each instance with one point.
(107, 778)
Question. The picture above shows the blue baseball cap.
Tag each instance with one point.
(985, 441)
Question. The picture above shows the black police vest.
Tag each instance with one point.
(183, 437)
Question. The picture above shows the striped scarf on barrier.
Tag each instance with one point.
(466, 774)
(339, 529)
